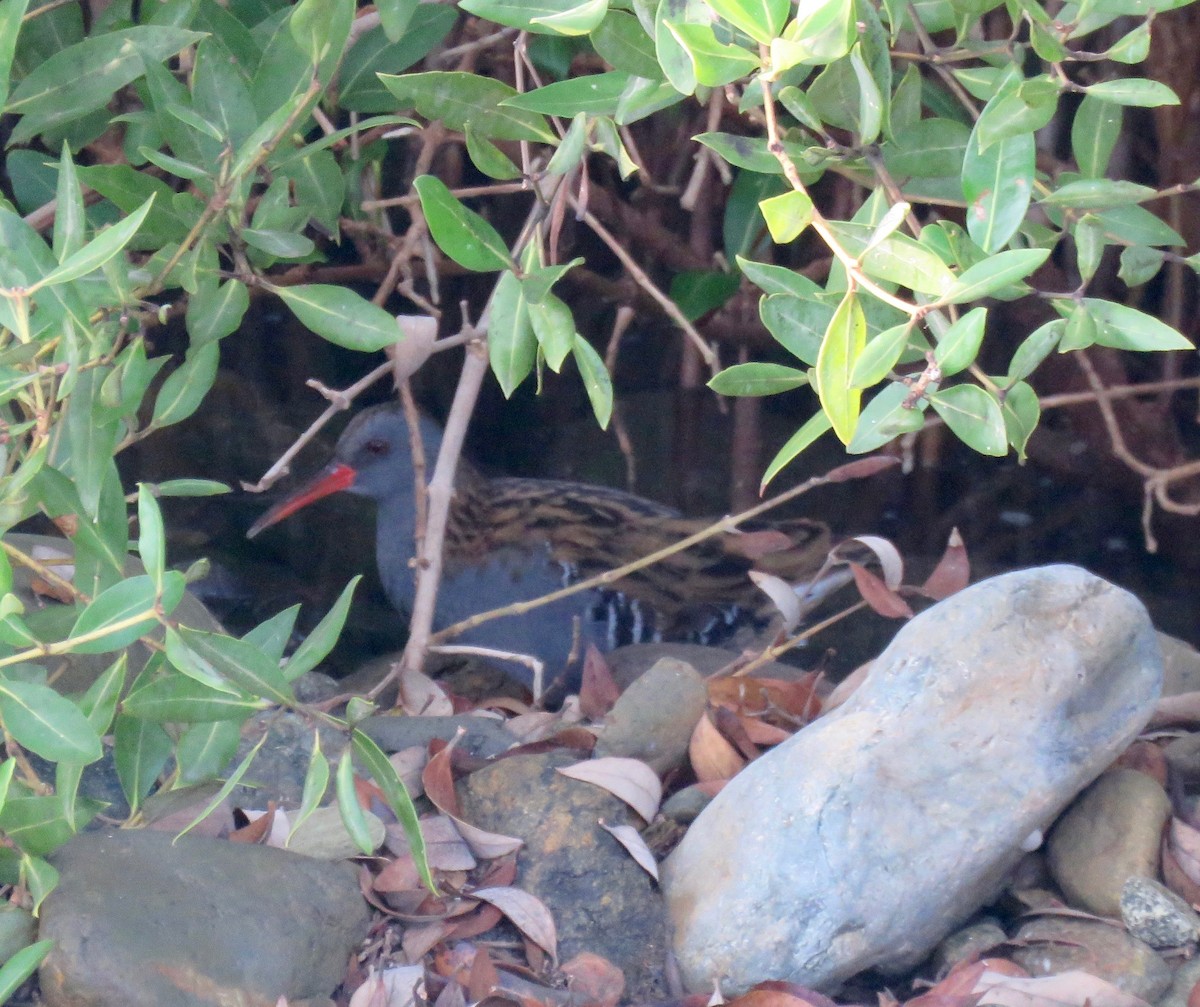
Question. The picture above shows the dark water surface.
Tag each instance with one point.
(1009, 515)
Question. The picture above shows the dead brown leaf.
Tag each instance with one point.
(711, 755)
(1183, 708)
(598, 690)
(526, 912)
(1184, 841)
(635, 846)
(593, 981)
(878, 595)
(630, 780)
(482, 980)
(861, 468)
(952, 573)
(754, 697)
(393, 987)
(258, 829)
(762, 733)
(1072, 989)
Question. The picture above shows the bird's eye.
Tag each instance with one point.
(377, 447)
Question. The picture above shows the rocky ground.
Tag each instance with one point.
(1000, 811)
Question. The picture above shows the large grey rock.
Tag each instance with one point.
(873, 832)
(139, 921)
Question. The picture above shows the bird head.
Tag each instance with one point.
(373, 458)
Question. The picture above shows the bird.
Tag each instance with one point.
(512, 539)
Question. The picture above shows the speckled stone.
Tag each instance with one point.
(1155, 914)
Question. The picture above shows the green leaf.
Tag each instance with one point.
(797, 323)
(457, 98)
(12, 12)
(1125, 328)
(151, 537)
(870, 100)
(273, 635)
(884, 419)
(813, 428)
(459, 232)
(40, 878)
(398, 798)
(231, 781)
(125, 612)
(341, 316)
(394, 15)
(930, 148)
(1094, 133)
(182, 700)
(1035, 348)
(553, 327)
(24, 963)
(959, 346)
(69, 218)
(595, 94)
(99, 703)
(880, 355)
(1021, 414)
(974, 416)
(141, 749)
(624, 45)
(82, 77)
(596, 380)
(186, 386)
(1139, 265)
(46, 723)
(361, 89)
(320, 641)
(213, 312)
(714, 63)
(282, 244)
(351, 811)
(241, 663)
(512, 345)
(757, 379)
(997, 184)
(189, 488)
(762, 20)
(1136, 225)
(1098, 194)
(489, 158)
(787, 215)
(897, 259)
(316, 782)
(994, 273)
(844, 341)
(823, 31)
(1133, 91)
(774, 279)
(205, 750)
(186, 661)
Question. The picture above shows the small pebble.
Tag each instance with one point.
(1155, 914)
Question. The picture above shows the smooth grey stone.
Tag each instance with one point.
(1112, 832)
(653, 719)
(139, 921)
(1182, 983)
(876, 830)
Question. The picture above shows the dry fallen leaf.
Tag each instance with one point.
(952, 573)
(598, 690)
(1184, 842)
(782, 596)
(712, 757)
(631, 780)
(393, 987)
(1074, 989)
(882, 598)
(421, 696)
(526, 912)
(593, 980)
(635, 845)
